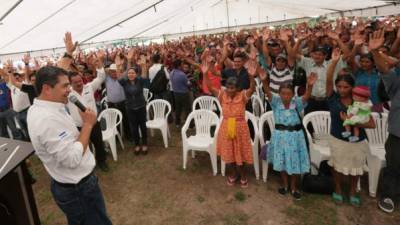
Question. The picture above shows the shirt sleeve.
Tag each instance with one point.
(302, 62)
(60, 143)
(392, 83)
(123, 81)
(275, 101)
(299, 104)
(96, 83)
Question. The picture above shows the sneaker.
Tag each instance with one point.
(283, 191)
(354, 139)
(296, 195)
(103, 166)
(386, 205)
(346, 134)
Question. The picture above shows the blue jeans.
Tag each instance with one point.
(83, 204)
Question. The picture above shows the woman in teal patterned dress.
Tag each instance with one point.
(287, 150)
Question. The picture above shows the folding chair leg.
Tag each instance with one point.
(164, 133)
(213, 156)
(185, 152)
(223, 166)
(265, 170)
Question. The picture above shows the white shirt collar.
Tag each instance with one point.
(45, 103)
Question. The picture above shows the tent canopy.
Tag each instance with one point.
(40, 24)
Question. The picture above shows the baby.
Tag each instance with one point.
(357, 113)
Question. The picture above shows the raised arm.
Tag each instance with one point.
(396, 43)
(331, 70)
(205, 68)
(264, 79)
(27, 69)
(311, 79)
(345, 50)
(66, 61)
(376, 40)
(252, 71)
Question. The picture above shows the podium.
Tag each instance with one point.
(17, 202)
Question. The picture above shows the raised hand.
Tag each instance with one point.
(358, 39)
(376, 40)
(118, 60)
(252, 67)
(70, 46)
(266, 35)
(336, 54)
(263, 75)
(312, 78)
(205, 67)
(26, 59)
(130, 54)
(333, 35)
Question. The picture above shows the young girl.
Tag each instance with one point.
(288, 149)
(233, 140)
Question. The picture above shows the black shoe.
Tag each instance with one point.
(282, 191)
(103, 166)
(296, 195)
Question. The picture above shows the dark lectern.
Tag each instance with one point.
(17, 203)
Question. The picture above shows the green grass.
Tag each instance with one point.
(312, 210)
(238, 218)
(240, 196)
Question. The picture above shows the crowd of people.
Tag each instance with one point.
(349, 67)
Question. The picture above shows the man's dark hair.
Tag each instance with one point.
(48, 75)
(241, 55)
(177, 63)
(72, 74)
(156, 58)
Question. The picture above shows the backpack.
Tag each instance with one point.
(159, 83)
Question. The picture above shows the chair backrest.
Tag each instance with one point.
(112, 117)
(320, 120)
(147, 94)
(253, 119)
(203, 120)
(379, 134)
(161, 108)
(269, 118)
(103, 103)
(208, 103)
(257, 105)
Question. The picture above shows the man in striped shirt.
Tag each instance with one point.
(280, 72)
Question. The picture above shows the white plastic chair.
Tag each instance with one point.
(376, 157)
(161, 110)
(147, 94)
(103, 103)
(254, 146)
(257, 105)
(208, 103)
(319, 147)
(267, 117)
(113, 118)
(202, 140)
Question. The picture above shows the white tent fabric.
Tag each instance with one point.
(40, 24)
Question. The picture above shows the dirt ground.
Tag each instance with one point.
(154, 189)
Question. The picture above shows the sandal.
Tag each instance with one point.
(355, 201)
(137, 150)
(144, 150)
(244, 183)
(231, 180)
(337, 198)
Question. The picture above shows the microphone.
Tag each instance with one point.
(78, 104)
